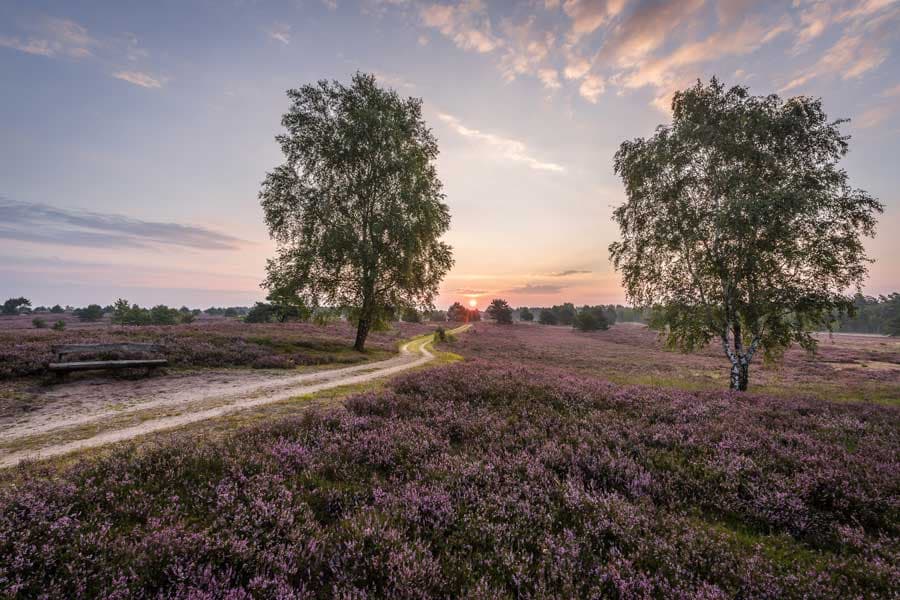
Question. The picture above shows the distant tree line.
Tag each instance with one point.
(872, 315)
(231, 311)
(568, 314)
(124, 313)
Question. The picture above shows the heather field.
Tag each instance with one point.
(848, 367)
(214, 342)
(521, 472)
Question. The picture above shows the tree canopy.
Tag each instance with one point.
(739, 225)
(500, 311)
(460, 314)
(15, 305)
(547, 317)
(591, 318)
(356, 209)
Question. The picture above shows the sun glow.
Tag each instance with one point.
(473, 303)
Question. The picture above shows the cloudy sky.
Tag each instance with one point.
(136, 134)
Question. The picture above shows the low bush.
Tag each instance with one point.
(39, 323)
(273, 361)
(590, 318)
(58, 326)
(90, 313)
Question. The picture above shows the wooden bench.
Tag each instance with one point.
(61, 368)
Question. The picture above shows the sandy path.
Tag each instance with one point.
(235, 394)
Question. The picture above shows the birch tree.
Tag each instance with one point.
(739, 225)
(356, 209)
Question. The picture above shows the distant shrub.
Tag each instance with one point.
(90, 314)
(590, 318)
(499, 311)
(163, 315)
(132, 314)
(39, 323)
(59, 325)
(438, 316)
(125, 313)
(57, 309)
(411, 315)
(261, 312)
(456, 313)
(442, 335)
(14, 306)
(547, 317)
(525, 314)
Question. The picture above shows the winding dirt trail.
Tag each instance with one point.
(195, 403)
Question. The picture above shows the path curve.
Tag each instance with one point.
(412, 354)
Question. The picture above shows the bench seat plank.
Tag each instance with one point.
(107, 364)
(123, 347)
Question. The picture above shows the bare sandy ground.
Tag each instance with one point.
(196, 396)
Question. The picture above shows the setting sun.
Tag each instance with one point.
(473, 303)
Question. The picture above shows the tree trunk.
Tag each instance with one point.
(743, 374)
(740, 360)
(362, 332)
(735, 381)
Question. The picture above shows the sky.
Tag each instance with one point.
(135, 135)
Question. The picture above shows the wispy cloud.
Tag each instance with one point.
(569, 272)
(471, 292)
(663, 45)
(536, 289)
(526, 50)
(280, 32)
(892, 92)
(863, 45)
(874, 116)
(501, 147)
(466, 23)
(63, 38)
(44, 224)
(850, 57)
(29, 46)
(394, 80)
(588, 15)
(139, 78)
(51, 36)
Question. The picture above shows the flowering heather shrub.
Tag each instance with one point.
(273, 361)
(483, 480)
(224, 343)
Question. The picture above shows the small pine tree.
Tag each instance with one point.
(500, 311)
